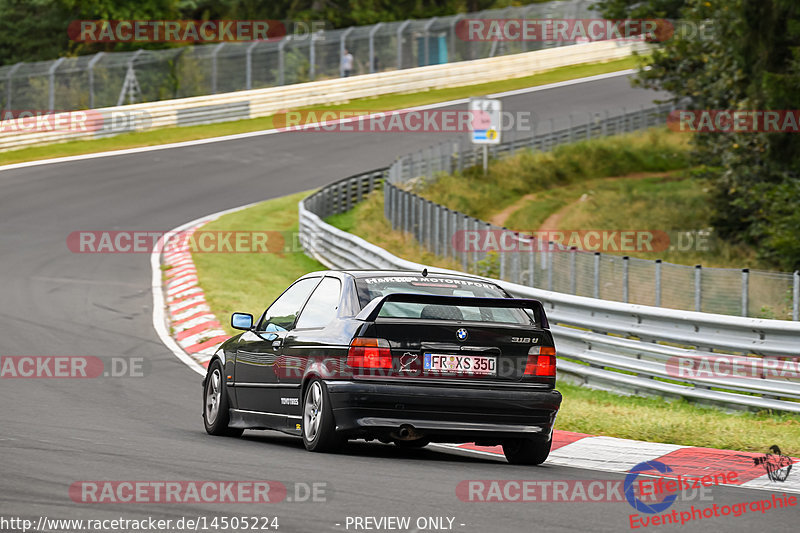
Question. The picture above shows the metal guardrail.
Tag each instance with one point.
(527, 261)
(608, 345)
(104, 122)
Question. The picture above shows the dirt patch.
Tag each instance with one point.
(551, 223)
(500, 219)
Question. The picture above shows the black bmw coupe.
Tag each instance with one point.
(403, 357)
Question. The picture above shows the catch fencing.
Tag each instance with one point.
(608, 345)
(108, 79)
(551, 266)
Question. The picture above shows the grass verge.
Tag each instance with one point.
(387, 102)
(678, 422)
(528, 172)
(249, 282)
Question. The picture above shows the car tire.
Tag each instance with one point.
(215, 403)
(319, 427)
(526, 451)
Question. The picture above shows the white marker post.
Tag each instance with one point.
(486, 119)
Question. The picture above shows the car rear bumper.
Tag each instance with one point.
(442, 413)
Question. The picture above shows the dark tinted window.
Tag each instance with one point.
(374, 287)
(321, 307)
(282, 313)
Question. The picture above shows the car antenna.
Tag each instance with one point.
(424, 272)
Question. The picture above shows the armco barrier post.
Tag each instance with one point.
(475, 227)
(549, 265)
(421, 220)
(436, 228)
(396, 218)
(465, 221)
(503, 254)
(453, 225)
(430, 224)
(573, 275)
(796, 296)
(387, 204)
(596, 292)
(625, 279)
(698, 285)
(404, 210)
(658, 283)
(745, 290)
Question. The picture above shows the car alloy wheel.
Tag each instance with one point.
(213, 394)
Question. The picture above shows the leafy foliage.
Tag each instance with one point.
(33, 30)
(737, 55)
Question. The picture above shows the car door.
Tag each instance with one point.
(311, 339)
(256, 381)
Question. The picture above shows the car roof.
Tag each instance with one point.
(372, 273)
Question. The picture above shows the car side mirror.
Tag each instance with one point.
(243, 321)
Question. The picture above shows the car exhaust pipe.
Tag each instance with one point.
(406, 432)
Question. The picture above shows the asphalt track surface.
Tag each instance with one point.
(54, 302)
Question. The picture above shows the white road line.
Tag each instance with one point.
(250, 134)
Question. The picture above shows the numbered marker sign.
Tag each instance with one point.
(485, 115)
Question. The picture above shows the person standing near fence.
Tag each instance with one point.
(347, 63)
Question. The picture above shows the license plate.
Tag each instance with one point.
(460, 364)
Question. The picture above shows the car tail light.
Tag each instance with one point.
(541, 361)
(369, 353)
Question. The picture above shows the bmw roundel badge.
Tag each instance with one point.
(462, 334)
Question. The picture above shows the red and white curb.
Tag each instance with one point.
(192, 324)
(196, 334)
(181, 316)
(609, 454)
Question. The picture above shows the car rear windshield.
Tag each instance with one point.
(370, 288)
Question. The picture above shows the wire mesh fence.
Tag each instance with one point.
(482, 248)
(109, 79)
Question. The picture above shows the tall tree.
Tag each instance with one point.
(738, 55)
